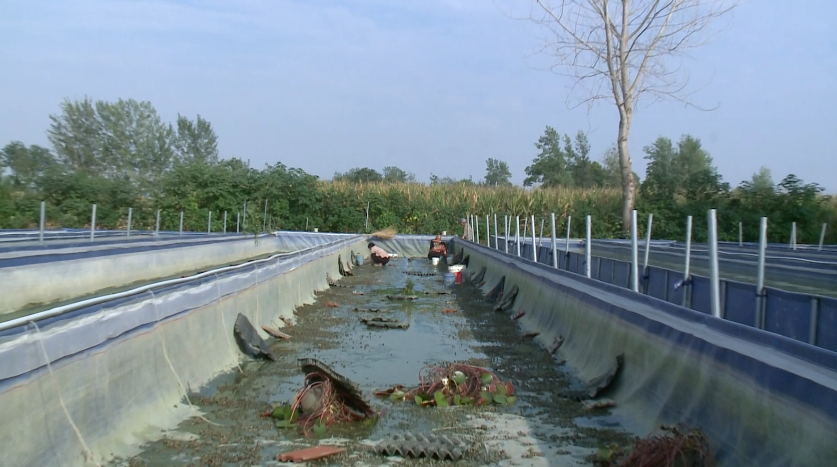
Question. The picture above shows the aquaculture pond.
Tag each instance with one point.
(452, 332)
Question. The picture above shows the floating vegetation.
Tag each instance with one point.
(455, 384)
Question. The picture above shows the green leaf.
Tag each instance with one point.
(459, 377)
(499, 399)
(319, 428)
(500, 390)
(510, 400)
(457, 400)
(442, 403)
(418, 400)
(486, 395)
(284, 424)
(485, 378)
(396, 395)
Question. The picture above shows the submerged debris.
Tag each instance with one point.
(402, 297)
(418, 273)
(530, 334)
(455, 384)
(681, 447)
(276, 333)
(518, 315)
(556, 344)
(310, 454)
(332, 304)
(370, 310)
(380, 322)
(249, 340)
(325, 399)
(430, 446)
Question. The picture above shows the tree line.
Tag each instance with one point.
(121, 154)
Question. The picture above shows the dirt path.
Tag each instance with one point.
(540, 429)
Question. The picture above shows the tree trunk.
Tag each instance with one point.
(628, 182)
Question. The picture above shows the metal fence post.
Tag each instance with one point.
(487, 231)
(540, 236)
(181, 223)
(793, 236)
(567, 247)
(517, 234)
(526, 227)
(157, 224)
(476, 229)
(740, 234)
(714, 279)
(130, 214)
(647, 253)
(244, 220)
(634, 254)
(43, 223)
(237, 221)
(687, 302)
(496, 232)
(209, 224)
(225, 222)
(822, 236)
(93, 223)
(534, 245)
(588, 247)
(761, 303)
(554, 242)
(506, 235)
(264, 221)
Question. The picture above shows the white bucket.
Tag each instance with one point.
(435, 260)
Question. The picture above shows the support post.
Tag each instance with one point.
(554, 242)
(714, 279)
(209, 223)
(740, 234)
(130, 214)
(237, 222)
(157, 225)
(244, 220)
(588, 247)
(822, 236)
(686, 272)
(517, 234)
(647, 250)
(476, 229)
(567, 247)
(634, 253)
(525, 227)
(534, 245)
(43, 223)
(366, 226)
(496, 234)
(264, 218)
(93, 223)
(540, 236)
(760, 295)
(487, 231)
(225, 222)
(181, 224)
(793, 236)
(506, 235)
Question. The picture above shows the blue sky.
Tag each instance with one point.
(431, 86)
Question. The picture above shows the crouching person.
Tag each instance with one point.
(379, 256)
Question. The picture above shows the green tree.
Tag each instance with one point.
(496, 173)
(549, 168)
(195, 141)
(359, 175)
(762, 180)
(25, 164)
(397, 175)
(123, 140)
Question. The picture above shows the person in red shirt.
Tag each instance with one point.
(379, 256)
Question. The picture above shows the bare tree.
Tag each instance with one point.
(624, 49)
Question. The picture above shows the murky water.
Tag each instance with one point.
(540, 429)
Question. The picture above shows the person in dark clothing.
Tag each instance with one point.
(379, 256)
(438, 249)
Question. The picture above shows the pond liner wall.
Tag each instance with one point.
(120, 369)
(50, 275)
(763, 399)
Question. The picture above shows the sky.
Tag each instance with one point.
(430, 86)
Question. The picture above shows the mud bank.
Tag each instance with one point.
(541, 428)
